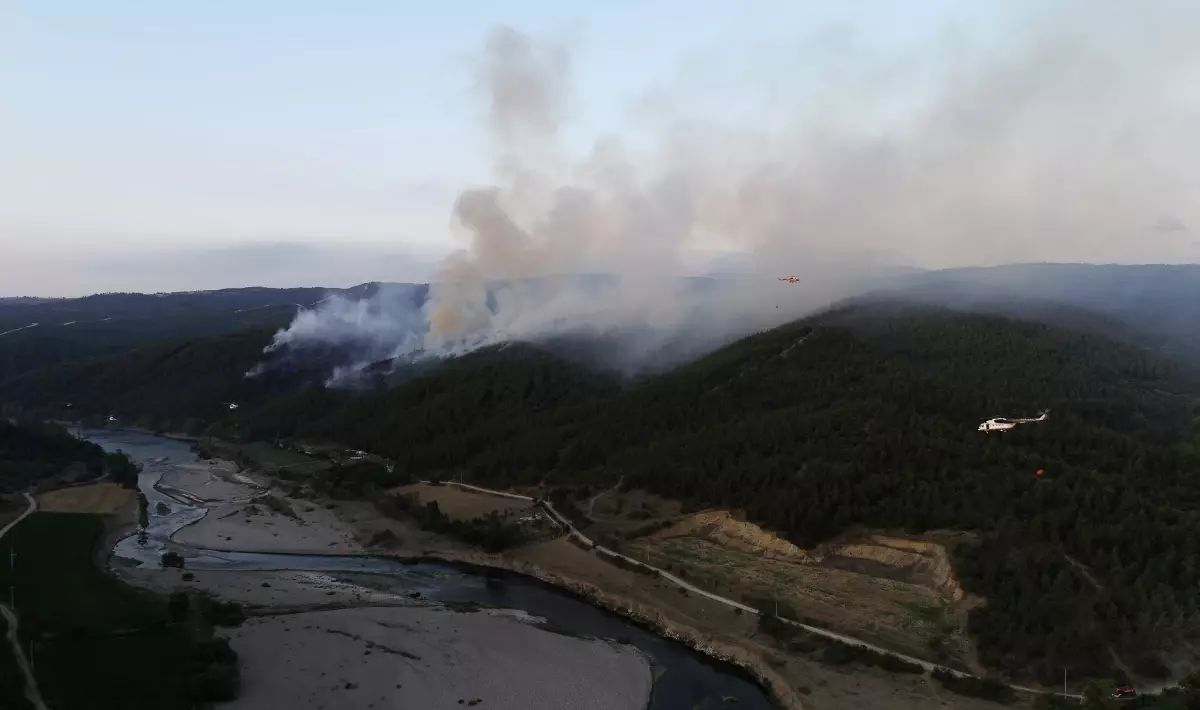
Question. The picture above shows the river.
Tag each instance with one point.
(687, 680)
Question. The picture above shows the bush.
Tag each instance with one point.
(217, 678)
(1150, 666)
(384, 538)
(171, 558)
(985, 688)
(837, 654)
(1054, 702)
(177, 605)
(772, 626)
(221, 613)
(279, 506)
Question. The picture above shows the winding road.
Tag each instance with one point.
(10, 618)
(591, 512)
(841, 638)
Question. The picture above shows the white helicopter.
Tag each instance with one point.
(1002, 424)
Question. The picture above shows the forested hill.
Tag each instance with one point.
(1156, 305)
(867, 416)
(35, 333)
(31, 451)
(178, 384)
(864, 415)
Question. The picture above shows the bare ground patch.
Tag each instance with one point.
(462, 504)
(97, 498)
(818, 685)
(896, 592)
(429, 658)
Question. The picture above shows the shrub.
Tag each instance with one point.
(985, 688)
(177, 605)
(221, 613)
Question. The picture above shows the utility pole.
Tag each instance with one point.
(1064, 680)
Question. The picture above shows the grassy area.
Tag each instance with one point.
(265, 456)
(99, 643)
(58, 587)
(99, 498)
(824, 650)
(908, 617)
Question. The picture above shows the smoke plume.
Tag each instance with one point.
(1065, 142)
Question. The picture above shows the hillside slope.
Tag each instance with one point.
(867, 416)
(1155, 305)
(862, 416)
(35, 333)
(160, 385)
(30, 452)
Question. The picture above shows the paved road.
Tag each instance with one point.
(849, 640)
(31, 689)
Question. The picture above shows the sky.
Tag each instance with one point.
(150, 146)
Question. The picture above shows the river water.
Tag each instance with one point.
(687, 680)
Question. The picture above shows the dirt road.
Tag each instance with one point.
(10, 618)
(842, 638)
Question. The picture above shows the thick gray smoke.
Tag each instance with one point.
(1069, 141)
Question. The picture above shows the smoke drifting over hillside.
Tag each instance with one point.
(1067, 144)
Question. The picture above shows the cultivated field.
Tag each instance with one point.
(270, 458)
(462, 504)
(98, 498)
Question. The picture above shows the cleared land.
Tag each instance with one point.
(461, 504)
(895, 592)
(821, 684)
(266, 457)
(894, 614)
(97, 498)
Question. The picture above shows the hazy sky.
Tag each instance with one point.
(182, 145)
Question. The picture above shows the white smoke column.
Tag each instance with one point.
(1068, 142)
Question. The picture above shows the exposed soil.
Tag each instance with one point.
(798, 680)
(464, 505)
(97, 498)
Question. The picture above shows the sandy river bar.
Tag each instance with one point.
(417, 657)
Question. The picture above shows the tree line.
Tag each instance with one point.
(31, 451)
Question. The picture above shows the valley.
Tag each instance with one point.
(346, 594)
(601, 356)
(828, 472)
(711, 626)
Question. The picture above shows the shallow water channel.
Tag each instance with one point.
(687, 680)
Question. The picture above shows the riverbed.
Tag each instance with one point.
(683, 678)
